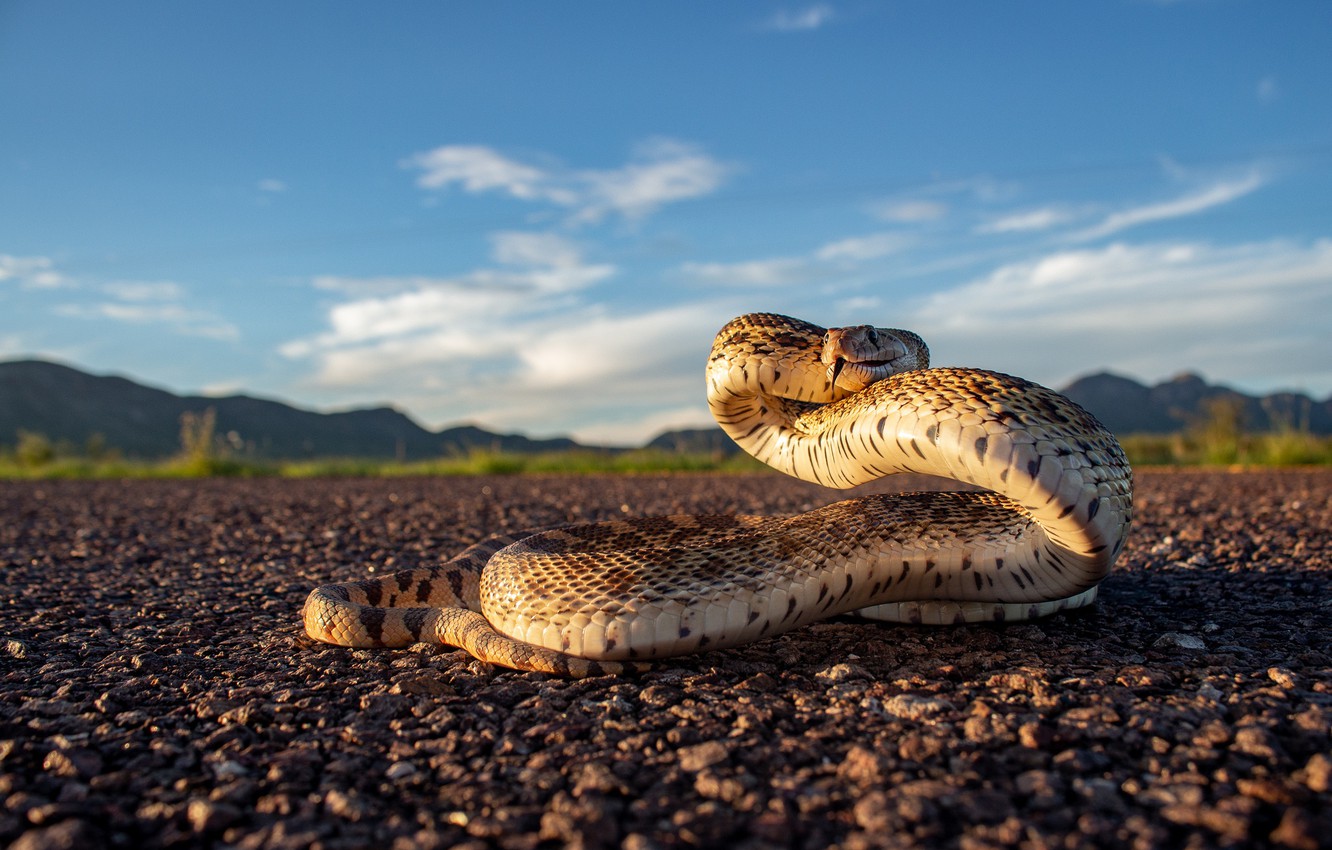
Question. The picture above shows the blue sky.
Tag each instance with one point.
(535, 216)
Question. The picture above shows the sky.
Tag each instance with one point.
(535, 216)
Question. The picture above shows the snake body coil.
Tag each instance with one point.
(839, 407)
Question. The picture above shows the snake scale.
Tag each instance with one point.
(837, 407)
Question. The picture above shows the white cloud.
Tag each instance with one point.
(1146, 310)
(534, 249)
(1213, 196)
(482, 169)
(909, 211)
(182, 320)
(536, 364)
(800, 20)
(1042, 218)
(534, 263)
(31, 272)
(144, 290)
(152, 303)
(415, 320)
(666, 171)
(868, 247)
(272, 185)
(775, 271)
(829, 263)
(662, 171)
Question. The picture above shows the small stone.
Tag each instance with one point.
(873, 814)
(148, 662)
(1035, 735)
(346, 805)
(1297, 830)
(863, 766)
(1210, 692)
(208, 816)
(702, 755)
(1180, 641)
(73, 763)
(424, 686)
(1045, 789)
(401, 770)
(1318, 773)
(230, 770)
(842, 673)
(1101, 794)
(1283, 677)
(51, 707)
(1268, 791)
(71, 834)
(15, 648)
(910, 707)
(920, 747)
(1257, 742)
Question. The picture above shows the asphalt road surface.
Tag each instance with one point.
(156, 688)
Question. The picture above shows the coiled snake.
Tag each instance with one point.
(838, 407)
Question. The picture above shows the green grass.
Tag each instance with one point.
(1192, 449)
(473, 463)
(1282, 448)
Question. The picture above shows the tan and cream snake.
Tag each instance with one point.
(837, 407)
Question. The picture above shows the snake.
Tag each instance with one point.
(1044, 512)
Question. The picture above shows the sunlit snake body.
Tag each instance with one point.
(839, 407)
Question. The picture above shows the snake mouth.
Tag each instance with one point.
(835, 369)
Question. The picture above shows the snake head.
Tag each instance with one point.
(860, 355)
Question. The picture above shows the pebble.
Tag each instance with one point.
(1180, 641)
(706, 754)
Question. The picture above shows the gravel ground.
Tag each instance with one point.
(156, 689)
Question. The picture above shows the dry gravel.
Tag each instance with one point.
(156, 690)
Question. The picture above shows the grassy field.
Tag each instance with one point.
(474, 463)
(1217, 438)
(1191, 450)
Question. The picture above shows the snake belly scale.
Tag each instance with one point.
(838, 407)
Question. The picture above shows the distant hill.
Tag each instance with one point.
(1128, 407)
(1124, 406)
(68, 405)
(71, 406)
(697, 441)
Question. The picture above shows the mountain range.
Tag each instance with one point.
(70, 406)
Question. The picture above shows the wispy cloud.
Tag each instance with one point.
(31, 272)
(528, 264)
(662, 171)
(1215, 195)
(910, 211)
(539, 365)
(149, 303)
(773, 271)
(857, 248)
(481, 169)
(1027, 221)
(416, 319)
(800, 20)
(272, 185)
(138, 290)
(1142, 309)
(828, 263)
